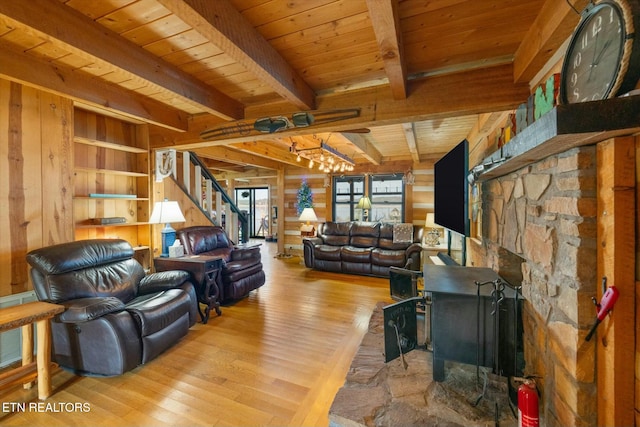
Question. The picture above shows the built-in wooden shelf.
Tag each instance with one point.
(110, 145)
(566, 127)
(109, 198)
(111, 171)
(120, 224)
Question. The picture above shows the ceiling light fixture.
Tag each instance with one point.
(328, 158)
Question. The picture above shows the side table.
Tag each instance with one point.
(25, 315)
(205, 272)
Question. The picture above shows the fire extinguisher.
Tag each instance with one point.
(528, 414)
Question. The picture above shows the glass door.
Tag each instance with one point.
(255, 203)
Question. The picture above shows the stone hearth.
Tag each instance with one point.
(376, 393)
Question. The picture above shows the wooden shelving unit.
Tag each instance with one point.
(112, 158)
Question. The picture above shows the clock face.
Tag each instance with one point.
(592, 65)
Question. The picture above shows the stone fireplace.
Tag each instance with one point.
(539, 227)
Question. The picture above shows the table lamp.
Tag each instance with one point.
(308, 215)
(365, 204)
(432, 237)
(166, 212)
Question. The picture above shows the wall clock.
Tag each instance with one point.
(603, 57)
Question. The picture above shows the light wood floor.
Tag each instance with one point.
(277, 357)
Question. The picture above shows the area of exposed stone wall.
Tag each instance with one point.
(545, 214)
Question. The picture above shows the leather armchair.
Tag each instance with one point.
(242, 270)
(116, 318)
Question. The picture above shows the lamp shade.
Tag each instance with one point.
(364, 203)
(430, 221)
(308, 214)
(166, 212)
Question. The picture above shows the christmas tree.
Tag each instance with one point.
(305, 198)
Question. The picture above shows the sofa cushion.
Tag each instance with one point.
(236, 270)
(355, 254)
(388, 257)
(118, 280)
(356, 267)
(153, 312)
(85, 309)
(200, 241)
(240, 253)
(241, 287)
(85, 269)
(74, 256)
(335, 233)
(365, 234)
(386, 240)
(327, 253)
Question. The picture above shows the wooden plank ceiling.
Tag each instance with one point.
(420, 74)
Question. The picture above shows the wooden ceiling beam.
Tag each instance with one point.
(366, 146)
(388, 167)
(20, 67)
(460, 94)
(553, 25)
(386, 25)
(268, 151)
(79, 34)
(231, 155)
(220, 23)
(410, 135)
(248, 175)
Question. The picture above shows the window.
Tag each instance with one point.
(347, 190)
(385, 191)
(387, 198)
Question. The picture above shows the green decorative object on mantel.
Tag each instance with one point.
(305, 198)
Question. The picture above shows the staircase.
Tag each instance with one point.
(208, 195)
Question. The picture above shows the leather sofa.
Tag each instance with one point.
(242, 268)
(367, 248)
(115, 317)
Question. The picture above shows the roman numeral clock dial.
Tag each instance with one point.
(602, 60)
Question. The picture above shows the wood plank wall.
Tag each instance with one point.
(36, 162)
(418, 198)
(637, 285)
(615, 353)
(293, 178)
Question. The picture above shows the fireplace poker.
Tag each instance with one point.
(395, 327)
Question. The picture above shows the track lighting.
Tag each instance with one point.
(325, 157)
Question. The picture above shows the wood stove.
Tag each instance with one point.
(473, 323)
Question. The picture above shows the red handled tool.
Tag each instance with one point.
(609, 298)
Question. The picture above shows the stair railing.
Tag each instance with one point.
(206, 188)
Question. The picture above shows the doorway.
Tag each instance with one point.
(254, 202)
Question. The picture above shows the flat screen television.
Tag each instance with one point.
(451, 198)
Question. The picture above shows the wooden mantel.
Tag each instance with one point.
(566, 127)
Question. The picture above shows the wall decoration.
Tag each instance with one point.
(165, 164)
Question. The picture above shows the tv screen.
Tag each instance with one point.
(451, 196)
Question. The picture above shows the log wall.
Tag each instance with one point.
(36, 161)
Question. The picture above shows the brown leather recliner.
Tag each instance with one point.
(242, 271)
(116, 318)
